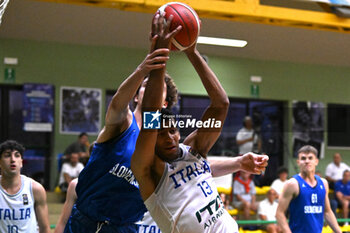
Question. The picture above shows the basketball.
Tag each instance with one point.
(185, 16)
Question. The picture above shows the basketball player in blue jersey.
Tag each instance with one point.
(176, 180)
(23, 207)
(306, 195)
(108, 197)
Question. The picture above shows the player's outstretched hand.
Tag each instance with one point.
(161, 29)
(254, 163)
(156, 59)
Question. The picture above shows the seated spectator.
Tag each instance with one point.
(277, 184)
(267, 211)
(69, 171)
(80, 146)
(244, 194)
(342, 192)
(335, 170)
(225, 201)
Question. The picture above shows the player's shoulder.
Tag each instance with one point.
(37, 188)
(291, 185)
(325, 182)
(113, 130)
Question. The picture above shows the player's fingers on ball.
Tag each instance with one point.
(161, 23)
(155, 24)
(168, 22)
(177, 30)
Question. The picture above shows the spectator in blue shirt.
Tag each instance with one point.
(342, 192)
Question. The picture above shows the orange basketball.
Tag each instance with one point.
(185, 16)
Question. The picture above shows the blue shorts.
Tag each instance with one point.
(79, 223)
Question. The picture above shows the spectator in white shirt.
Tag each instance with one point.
(70, 170)
(277, 184)
(335, 170)
(244, 194)
(267, 211)
(246, 139)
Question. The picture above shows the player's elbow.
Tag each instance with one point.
(223, 102)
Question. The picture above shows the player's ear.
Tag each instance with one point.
(165, 104)
(317, 160)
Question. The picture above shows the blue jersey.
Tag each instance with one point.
(107, 190)
(339, 186)
(307, 209)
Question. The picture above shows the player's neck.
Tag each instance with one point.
(11, 184)
(309, 178)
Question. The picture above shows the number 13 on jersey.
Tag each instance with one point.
(205, 187)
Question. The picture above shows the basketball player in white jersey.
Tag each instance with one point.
(175, 179)
(23, 207)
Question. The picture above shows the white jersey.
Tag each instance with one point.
(17, 214)
(186, 199)
(147, 225)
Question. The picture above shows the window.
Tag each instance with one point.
(338, 125)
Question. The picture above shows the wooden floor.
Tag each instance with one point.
(55, 204)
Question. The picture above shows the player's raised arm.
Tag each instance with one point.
(119, 116)
(249, 162)
(203, 139)
(144, 158)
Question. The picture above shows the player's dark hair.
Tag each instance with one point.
(83, 134)
(282, 170)
(167, 114)
(171, 92)
(11, 145)
(307, 150)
